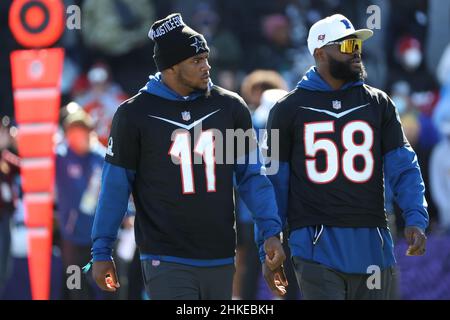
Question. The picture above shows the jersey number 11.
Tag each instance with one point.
(181, 149)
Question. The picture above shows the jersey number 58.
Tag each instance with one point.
(352, 150)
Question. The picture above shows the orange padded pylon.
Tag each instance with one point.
(41, 105)
(36, 82)
(38, 209)
(37, 69)
(36, 140)
(39, 261)
(38, 175)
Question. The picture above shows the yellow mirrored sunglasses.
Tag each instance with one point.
(348, 45)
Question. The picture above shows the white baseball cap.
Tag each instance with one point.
(332, 28)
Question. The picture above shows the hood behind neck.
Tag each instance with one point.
(157, 87)
(314, 82)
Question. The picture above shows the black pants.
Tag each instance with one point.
(135, 282)
(173, 281)
(251, 264)
(318, 282)
(292, 290)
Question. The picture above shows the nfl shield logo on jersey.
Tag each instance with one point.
(186, 115)
(336, 104)
(109, 151)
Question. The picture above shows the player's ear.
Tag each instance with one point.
(175, 68)
(319, 55)
(171, 70)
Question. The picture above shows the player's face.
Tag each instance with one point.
(193, 73)
(78, 138)
(345, 66)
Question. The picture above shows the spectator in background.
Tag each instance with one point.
(443, 72)
(101, 99)
(115, 27)
(438, 32)
(260, 89)
(440, 177)
(267, 101)
(277, 52)
(76, 56)
(243, 19)
(78, 174)
(116, 31)
(412, 87)
(258, 81)
(442, 111)
(248, 269)
(220, 40)
(9, 169)
(406, 18)
(415, 90)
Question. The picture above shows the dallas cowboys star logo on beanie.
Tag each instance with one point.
(198, 44)
(175, 41)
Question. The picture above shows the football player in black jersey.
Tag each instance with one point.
(340, 140)
(164, 149)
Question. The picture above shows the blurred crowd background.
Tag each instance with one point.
(258, 49)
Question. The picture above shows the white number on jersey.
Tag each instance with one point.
(352, 150)
(181, 149)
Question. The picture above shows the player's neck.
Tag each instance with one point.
(176, 86)
(334, 83)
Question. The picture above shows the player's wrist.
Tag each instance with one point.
(102, 257)
(422, 225)
(273, 234)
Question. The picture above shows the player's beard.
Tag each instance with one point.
(343, 70)
(182, 78)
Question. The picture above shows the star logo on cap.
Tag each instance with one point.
(198, 44)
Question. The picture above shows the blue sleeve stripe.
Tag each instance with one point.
(402, 172)
(112, 206)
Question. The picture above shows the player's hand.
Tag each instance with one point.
(275, 255)
(416, 240)
(105, 275)
(276, 280)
